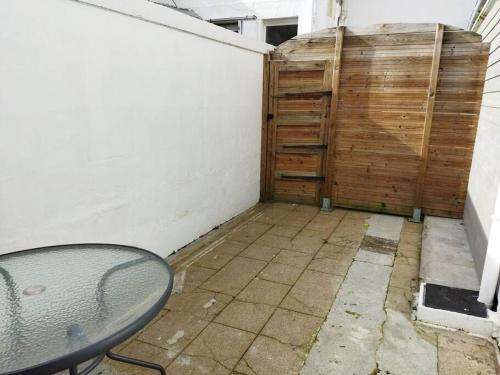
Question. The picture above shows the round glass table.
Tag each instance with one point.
(64, 305)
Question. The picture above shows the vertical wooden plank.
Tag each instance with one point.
(264, 125)
(325, 124)
(330, 153)
(271, 135)
(431, 97)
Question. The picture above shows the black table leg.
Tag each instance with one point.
(74, 370)
(137, 362)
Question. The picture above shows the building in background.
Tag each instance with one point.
(275, 21)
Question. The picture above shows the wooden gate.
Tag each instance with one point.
(299, 101)
(380, 118)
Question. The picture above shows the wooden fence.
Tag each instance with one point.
(381, 118)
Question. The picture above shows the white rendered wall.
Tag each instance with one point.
(262, 9)
(314, 15)
(484, 180)
(115, 129)
(367, 12)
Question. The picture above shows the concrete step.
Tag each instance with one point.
(446, 260)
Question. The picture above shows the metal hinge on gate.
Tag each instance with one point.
(307, 146)
(303, 178)
(300, 93)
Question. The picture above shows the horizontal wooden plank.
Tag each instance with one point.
(298, 134)
(409, 38)
(295, 119)
(296, 191)
(297, 162)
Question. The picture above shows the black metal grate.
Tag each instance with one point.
(458, 300)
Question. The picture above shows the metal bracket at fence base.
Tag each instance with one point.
(326, 204)
(417, 215)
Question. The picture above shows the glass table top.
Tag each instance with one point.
(62, 301)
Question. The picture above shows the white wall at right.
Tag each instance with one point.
(484, 178)
(367, 12)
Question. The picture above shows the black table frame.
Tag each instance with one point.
(102, 348)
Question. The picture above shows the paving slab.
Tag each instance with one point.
(385, 226)
(348, 234)
(200, 303)
(336, 252)
(313, 293)
(405, 350)
(263, 291)
(249, 232)
(399, 299)
(379, 245)
(295, 219)
(215, 351)
(325, 224)
(280, 273)
(374, 257)
(191, 278)
(405, 276)
(308, 241)
(268, 356)
(462, 354)
(261, 252)
(174, 331)
(353, 328)
(247, 316)
(271, 216)
(409, 250)
(234, 276)
(331, 266)
(307, 209)
(293, 258)
(255, 315)
(293, 328)
(284, 231)
(213, 260)
(229, 247)
(274, 240)
(446, 257)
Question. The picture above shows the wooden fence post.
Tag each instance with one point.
(330, 153)
(264, 130)
(431, 97)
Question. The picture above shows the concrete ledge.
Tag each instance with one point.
(475, 234)
(164, 16)
(446, 257)
(478, 326)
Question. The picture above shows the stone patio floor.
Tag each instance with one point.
(291, 289)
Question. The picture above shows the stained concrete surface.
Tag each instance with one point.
(292, 289)
(446, 255)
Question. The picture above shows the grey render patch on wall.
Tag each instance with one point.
(446, 257)
(478, 241)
